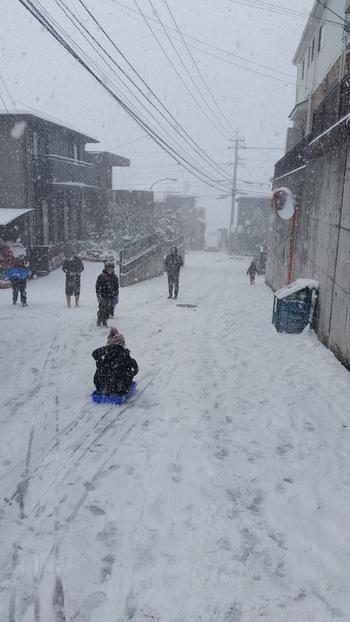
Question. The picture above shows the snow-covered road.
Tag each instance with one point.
(219, 493)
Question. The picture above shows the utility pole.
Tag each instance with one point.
(233, 223)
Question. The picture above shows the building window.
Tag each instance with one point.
(320, 38)
(45, 222)
(303, 69)
(76, 152)
(308, 57)
(313, 50)
(35, 144)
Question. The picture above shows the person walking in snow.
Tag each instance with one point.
(19, 283)
(115, 369)
(172, 265)
(252, 271)
(107, 292)
(73, 267)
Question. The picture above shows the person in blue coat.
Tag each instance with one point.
(19, 283)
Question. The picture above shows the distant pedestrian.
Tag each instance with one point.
(115, 369)
(18, 275)
(73, 267)
(252, 271)
(107, 292)
(172, 265)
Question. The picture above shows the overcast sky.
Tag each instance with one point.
(235, 73)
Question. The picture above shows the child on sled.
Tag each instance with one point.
(115, 369)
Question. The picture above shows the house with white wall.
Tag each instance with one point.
(322, 58)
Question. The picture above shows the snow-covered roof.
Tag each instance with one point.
(297, 286)
(8, 214)
(77, 184)
(18, 116)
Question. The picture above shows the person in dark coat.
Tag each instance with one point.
(252, 271)
(19, 285)
(115, 369)
(107, 292)
(73, 267)
(172, 265)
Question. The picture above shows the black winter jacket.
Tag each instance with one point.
(107, 285)
(115, 370)
(253, 268)
(173, 264)
(74, 265)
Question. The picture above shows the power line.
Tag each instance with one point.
(334, 13)
(194, 170)
(183, 64)
(166, 131)
(8, 93)
(272, 8)
(178, 125)
(196, 66)
(128, 143)
(3, 102)
(246, 60)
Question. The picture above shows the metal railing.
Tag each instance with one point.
(295, 158)
(327, 113)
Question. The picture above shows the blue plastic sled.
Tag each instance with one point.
(114, 399)
(17, 273)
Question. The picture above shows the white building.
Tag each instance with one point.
(322, 58)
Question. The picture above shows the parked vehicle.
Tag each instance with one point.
(212, 242)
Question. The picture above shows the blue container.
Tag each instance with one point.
(294, 305)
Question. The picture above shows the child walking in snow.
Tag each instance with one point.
(252, 271)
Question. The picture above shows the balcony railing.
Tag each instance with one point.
(54, 169)
(294, 159)
(327, 113)
(333, 108)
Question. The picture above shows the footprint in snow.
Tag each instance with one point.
(106, 570)
(175, 470)
(96, 511)
(89, 604)
(220, 455)
(108, 535)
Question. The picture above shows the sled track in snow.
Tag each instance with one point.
(60, 530)
(23, 484)
(84, 443)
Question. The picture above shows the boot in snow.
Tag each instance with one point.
(77, 301)
(68, 300)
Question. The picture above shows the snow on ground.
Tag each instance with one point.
(219, 493)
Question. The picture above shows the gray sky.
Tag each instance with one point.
(228, 93)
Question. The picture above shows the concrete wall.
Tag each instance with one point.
(279, 233)
(322, 244)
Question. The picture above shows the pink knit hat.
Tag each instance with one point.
(115, 338)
